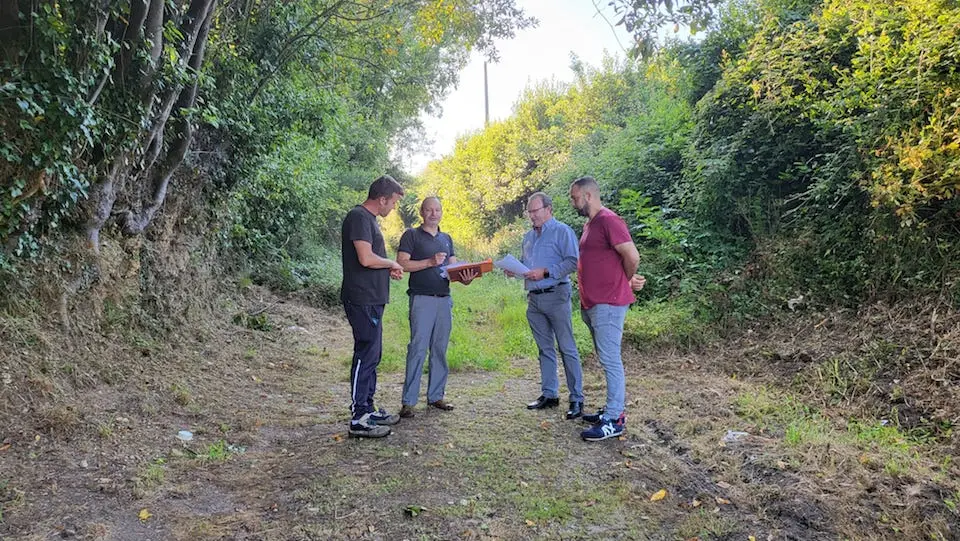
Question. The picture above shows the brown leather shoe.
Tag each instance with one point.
(442, 405)
(406, 411)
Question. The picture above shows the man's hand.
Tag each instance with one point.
(535, 274)
(396, 271)
(509, 274)
(467, 276)
(438, 258)
(637, 282)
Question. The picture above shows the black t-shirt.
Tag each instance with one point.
(360, 284)
(421, 245)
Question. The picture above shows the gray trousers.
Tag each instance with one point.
(550, 317)
(431, 319)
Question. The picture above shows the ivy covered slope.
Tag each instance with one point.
(264, 117)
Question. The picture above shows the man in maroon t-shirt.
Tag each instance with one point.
(605, 272)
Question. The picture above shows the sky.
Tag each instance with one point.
(533, 55)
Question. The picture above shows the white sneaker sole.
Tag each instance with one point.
(369, 435)
(601, 438)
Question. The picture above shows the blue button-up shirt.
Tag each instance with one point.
(555, 248)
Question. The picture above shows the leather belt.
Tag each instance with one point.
(550, 289)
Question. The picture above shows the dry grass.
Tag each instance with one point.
(850, 417)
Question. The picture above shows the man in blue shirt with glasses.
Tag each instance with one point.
(550, 251)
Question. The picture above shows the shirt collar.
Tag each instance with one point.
(422, 230)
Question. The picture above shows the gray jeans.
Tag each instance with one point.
(550, 317)
(430, 323)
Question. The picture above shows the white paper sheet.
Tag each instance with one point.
(446, 269)
(512, 264)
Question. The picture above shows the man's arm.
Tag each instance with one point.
(409, 265)
(570, 248)
(371, 260)
(630, 256)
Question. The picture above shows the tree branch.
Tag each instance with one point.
(287, 47)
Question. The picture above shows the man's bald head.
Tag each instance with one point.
(432, 200)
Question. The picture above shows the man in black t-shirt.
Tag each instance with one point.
(423, 251)
(365, 291)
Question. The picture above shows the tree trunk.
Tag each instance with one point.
(135, 221)
(143, 199)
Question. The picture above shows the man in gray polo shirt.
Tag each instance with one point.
(551, 250)
(423, 251)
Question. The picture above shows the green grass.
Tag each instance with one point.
(664, 323)
(875, 442)
(489, 326)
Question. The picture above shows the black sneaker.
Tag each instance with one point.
(381, 417)
(593, 418)
(365, 428)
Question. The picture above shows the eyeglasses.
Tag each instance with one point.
(531, 211)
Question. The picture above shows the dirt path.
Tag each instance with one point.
(270, 459)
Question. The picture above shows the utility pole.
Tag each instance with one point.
(486, 98)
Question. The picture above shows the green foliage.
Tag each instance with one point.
(318, 122)
(792, 142)
(48, 120)
(300, 100)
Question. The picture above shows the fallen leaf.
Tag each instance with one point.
(696, 503)
(722, 501)
(371, 528)
(144, 515)
(545, 425)
(450, 445)
(751, 538)
(4, 447)
(338, 437)
(414, 510)
(659, 495)
(723, 485)
(531, 523)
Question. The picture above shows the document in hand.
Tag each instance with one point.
(455, 272)
(512, 264)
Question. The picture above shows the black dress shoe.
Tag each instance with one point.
(543, 402)
(576, 410)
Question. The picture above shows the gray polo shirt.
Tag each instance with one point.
(421, 245)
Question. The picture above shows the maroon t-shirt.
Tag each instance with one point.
(600, 268)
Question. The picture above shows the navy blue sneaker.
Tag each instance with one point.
(382, 418)
(603, 430)
(365, 428)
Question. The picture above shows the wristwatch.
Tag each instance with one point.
(546, 273)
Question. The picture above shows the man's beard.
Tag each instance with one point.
(582, 211)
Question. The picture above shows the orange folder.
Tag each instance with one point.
(455, 272)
